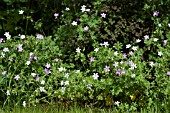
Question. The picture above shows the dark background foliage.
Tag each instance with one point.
(128, 19)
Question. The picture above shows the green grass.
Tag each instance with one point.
(74, 108)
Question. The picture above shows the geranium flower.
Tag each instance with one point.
(103, 15)
(107, 68)
(168, 73)
(40, 36)
(16, 77)
(47, 71)
(4, 72)
(21, 12)
(47, 65)
(155, 13)
(91, 59)
(95, 76)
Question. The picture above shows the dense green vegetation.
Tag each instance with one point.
(102, 53)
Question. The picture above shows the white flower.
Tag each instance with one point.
(66, 75)
(6, 49)
(105, 44)
(62, 69)
(128, 46)
(42, 82)
(2, 54)
(48, 65)
(146, 37)
(28, 63)
(62, 83)
(155, 39)
(169, 25)
(87, 10)
(24, 103)
(7, 92)
(96, 49)
(134, 48)
(95, 76)
(115, 53)
(160, 53)
(63, 89)
(22, 36)
(138, 40)
(8, 36)
(133, 66)
(103, 15)
(77, 71)
(78, 50)
(33, 74)
(89, 86)
(133, 75)
(151, 64)
(117, 103)
(16, 77)
(83, 9)
(31, 53)
(21, 12)
(66, 83)
(42, 89)
(159, 25)
(83, 6)
(121, 62)
(67, 9)
(74, 23)
(130, 62)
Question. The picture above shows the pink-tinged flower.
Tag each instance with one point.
(20, 49)
(37, 78)
(6, 49)
(91, 59)
(57, 59)
(103, 15)
(47, 71)
(115, 64)
(1, 39)
(123, 71)
(146, 37)
(131, 53)
(56, 15)
(16, 77)
(118, 72)
(107, 68)
(4, 72)
(165, 41)
(40, 36)
(86, 28)
(168, 73)
(124, 55)
(47, 65)
(155, 13)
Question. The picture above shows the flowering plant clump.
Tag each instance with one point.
(80, 63)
